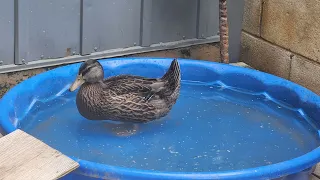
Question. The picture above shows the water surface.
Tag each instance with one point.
(211, 128)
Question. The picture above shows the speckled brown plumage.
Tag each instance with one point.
(126, 98)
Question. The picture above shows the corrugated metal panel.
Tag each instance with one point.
(208, 18)
(168, 20)
(6, 32)
(47, 29)
(110, 24)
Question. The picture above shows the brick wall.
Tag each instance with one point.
(282, 37)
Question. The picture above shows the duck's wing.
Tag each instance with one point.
(124, 84)
(132, 107)
(164, 87)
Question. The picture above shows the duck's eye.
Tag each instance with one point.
(86, 71)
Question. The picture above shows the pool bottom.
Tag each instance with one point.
(210, 129)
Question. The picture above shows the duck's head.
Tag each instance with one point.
(90, 71)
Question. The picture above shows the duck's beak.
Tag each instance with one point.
(77, 83)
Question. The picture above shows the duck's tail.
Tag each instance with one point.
(172, 76)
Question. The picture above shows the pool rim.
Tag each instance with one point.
(276, 170)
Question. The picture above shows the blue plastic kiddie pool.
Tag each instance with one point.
(228, 123)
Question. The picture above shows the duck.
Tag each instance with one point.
(125, 98)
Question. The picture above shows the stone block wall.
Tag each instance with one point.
(282, 37)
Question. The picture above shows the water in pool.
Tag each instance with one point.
(211, 128)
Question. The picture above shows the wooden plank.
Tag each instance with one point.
(316, 173)
(23, 157)
(314, 177)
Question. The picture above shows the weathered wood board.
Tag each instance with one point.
(23, 157)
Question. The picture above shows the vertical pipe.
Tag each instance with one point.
(17, 60)
(198, 35)
(146, 23)
(81, 28)
(223, 29)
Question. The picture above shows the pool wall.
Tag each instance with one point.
(82, 174)
(15, 102)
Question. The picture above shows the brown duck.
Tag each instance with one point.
(125, 98)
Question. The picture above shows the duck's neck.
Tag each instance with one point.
(88, 99)
(90, 89)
